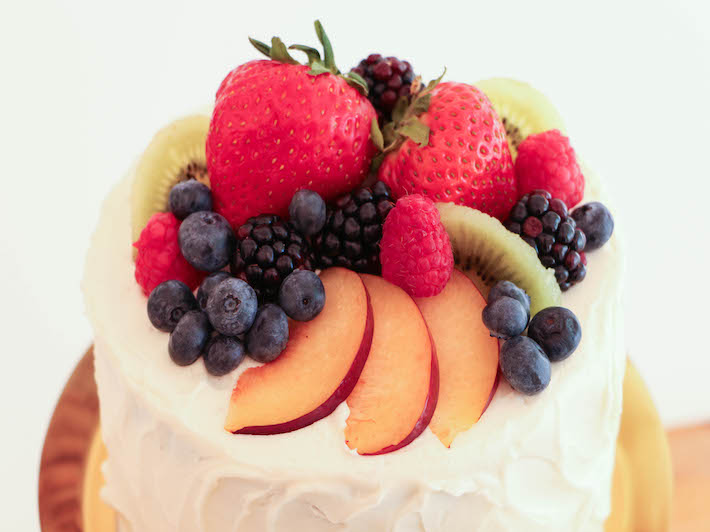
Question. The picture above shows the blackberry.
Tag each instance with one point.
(353, 230)
(387, 79)
(545, 224)
(268, 250)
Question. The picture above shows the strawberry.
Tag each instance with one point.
(450, 146)
(279, 126)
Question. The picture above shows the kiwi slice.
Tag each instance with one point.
(176, 153)
(523, 109)
(487, 253)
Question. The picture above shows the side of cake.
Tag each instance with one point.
(275, 431)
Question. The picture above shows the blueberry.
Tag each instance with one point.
(524, 365)
(210, 282)
(505, 317)
(302, 295)
(509, 289)
(206, 241)
(223, 355)
(189, 338)
(596, 222)
(268, 336)
(189, 196)
(557, 331)
(231, 307)
(307, 212)
(168, 303)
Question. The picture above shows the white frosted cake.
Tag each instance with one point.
(540, 460)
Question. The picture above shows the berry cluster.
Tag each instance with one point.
(224, 322)
(388, 79)
(553, 335)
(353, 229)
(269, 250)
(544, 223)
(558, 237)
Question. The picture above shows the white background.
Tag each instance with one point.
(85, 84)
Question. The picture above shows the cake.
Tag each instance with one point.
(395, 397)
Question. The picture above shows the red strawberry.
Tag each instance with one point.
(279, 126)
(465, 159)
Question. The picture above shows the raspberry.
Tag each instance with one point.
(547, 161)
(416, 252)
(159, 258)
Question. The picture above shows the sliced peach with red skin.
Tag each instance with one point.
(395, 398)
(468, 356)
(318, 369)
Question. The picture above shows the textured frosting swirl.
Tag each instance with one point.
(531, 463)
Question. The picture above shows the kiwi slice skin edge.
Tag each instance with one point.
(486, 252)
(176, 153)
(522, 109)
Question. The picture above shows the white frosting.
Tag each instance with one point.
(542, 463)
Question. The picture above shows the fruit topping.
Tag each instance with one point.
(547, 161)
(176, 154)
(231, 307)
(268, 336)
(450, 146)
(505, 317)
(522, 109)
(557, 330)
(189, 338)
(486, 252)
(223, 355)
(268, 250)
(394, 400)
(353, 229)
(210, 282)
(553, 335)
(279, 126)
(467, 356)
(388, 79)
(508, 289)
(416, 252)
(543, 222)
(158, 257)
(189, 196)
(524, 365)
(307, 212)
(206, 241)
(168, 303)
(318, 369)
(596, 222)
(302, 295)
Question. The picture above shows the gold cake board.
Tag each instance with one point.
(70, 473)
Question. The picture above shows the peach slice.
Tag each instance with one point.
(395, 398)
(468, 356)
(318, 369)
